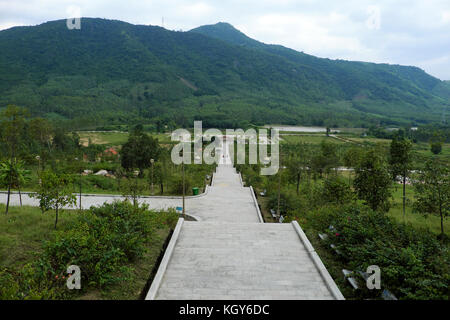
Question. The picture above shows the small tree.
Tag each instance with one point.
(351, 159)
(336, 190)
(373, 181)
(400, 161)
(54, 192)
(436, 143)
(433, 191)
(13, 175)
(120, 173)
(326, 159)
(436, 147)
(132, 188)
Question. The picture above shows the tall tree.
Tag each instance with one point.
(433, 191)
(297, 161)
(138, 150)
(326, 159)
(400, 161)
(373, 181)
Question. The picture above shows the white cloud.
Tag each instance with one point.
(446, 17)
(198, 9)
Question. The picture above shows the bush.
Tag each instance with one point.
(101, 182)
(101, 242)
(414, 265)
(177, 185)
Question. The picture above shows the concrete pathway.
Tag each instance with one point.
(230, 254)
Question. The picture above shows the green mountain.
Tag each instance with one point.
(112, 72)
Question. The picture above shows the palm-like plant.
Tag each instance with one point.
(13, 174)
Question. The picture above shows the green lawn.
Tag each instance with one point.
(23, 230)
(110, 138)
(416, 220)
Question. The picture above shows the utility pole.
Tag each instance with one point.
(184, 189)
(152, 162)
(279, 186)
(279, 192)
(79, 182)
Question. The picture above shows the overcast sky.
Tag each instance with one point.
(407, 32)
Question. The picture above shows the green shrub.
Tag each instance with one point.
(101, 182)
(26, 284)
(414, 264)
(102, 242)
(177, 185)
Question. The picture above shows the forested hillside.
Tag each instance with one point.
(112, 72)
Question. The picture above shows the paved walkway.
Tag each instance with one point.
(231, 255)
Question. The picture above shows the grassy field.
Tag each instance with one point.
(433, 223)
(109, 138)
(115, 138)
(23, 230)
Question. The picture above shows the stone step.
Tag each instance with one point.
(219, 260)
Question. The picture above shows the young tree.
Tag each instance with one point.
(433, 191)
(21, 176)
(373, 181)
(161, 174)
(132, 188)
(400, 161)
(326, 159)
(351, 159)
(436, 142)
(436, 147)
(55, 192)
(297, 161)
(336, 190)
(13, 175)
(120, 174)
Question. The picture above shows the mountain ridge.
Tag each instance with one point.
(112, 71)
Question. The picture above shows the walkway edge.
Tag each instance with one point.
(319, 264)
(118, 196)
(256, 205)
(151, 295)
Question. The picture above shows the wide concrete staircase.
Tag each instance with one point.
(230, 254)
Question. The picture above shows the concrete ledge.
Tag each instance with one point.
(256, 205)
(151, 295)
(318, 263)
